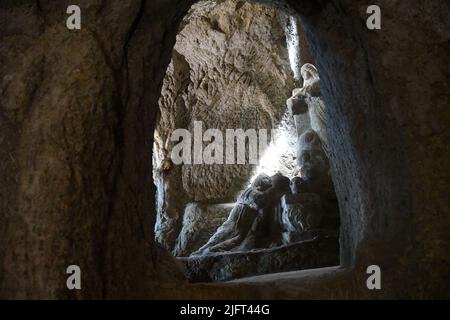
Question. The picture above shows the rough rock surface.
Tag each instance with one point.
(322, 251)
(200, 221)
(75, 147)
(388, 118)
(230, 69)
(237, 77)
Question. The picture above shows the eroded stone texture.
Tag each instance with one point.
(230, 70)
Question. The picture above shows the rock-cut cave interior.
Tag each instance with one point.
(238, 65)
(224, 149)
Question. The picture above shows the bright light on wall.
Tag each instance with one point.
(293, 46)
(279, 155)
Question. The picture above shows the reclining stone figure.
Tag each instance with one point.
(248, 221)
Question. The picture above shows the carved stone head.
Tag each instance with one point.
(280, 182)
(262, 182)
(309, 72)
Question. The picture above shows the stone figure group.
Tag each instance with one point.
(277, 210)
(306, 105)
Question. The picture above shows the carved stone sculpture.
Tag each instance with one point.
(313, 162)
(248, 221)
(307, 106)
(267, 227)
(302, 211)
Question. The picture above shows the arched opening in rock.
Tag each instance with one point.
(77, 116)
(240, 159)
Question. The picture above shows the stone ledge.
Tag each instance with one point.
(322, 251)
